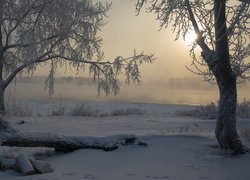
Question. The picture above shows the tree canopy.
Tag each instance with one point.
(60, 33)
(187, 16)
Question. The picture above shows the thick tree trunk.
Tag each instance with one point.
(2, 105)
(226, 132)
(2, 85)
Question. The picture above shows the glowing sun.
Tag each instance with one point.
(190, 38)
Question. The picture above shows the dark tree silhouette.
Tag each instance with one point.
(222, 29)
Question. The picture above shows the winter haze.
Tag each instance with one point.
(57, 123)
(123, 33)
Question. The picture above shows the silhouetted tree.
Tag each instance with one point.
(59, 33)
(222, 29)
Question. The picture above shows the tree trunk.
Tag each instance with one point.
(2, 106)
(2, 85)
(226, 132)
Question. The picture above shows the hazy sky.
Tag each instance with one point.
(125, 31)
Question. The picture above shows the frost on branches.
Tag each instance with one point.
(187, 16)
(59, 33)
(219, 52)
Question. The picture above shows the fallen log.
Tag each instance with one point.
(13, 138)
(67, 143)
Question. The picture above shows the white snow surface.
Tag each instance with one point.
(180, 148)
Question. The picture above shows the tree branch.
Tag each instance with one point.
(208, 54)
(32, 43)
(20, 68)
(239, 16)
(18, 22)
(40, 12)
(200, 39)
(245, 1)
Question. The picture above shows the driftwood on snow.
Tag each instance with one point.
(69, 144)
(11, 137)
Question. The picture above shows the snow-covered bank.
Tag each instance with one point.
(167, 157)
(179, 147)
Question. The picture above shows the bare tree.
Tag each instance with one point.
(59, 33)
(222, 29)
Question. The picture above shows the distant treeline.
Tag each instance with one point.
(189, 82)
(170, 83)
(58, 80)
(195, 83)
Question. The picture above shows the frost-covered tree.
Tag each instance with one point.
(59, 33)
(223, 30)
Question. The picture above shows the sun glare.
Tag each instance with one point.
(190, 38)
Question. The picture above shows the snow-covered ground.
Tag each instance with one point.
(180, 148)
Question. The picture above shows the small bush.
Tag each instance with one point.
(58, 112)
(90, 111)
(184, 129)
(21, 110)
(210, 111)
(207, 112)
(85, 110)
(128, 111)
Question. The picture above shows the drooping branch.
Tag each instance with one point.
(20, 68)
(38, 59)
(109, 69)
